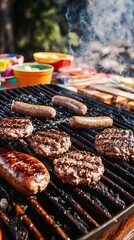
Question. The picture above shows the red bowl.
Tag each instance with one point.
(57, 60)
(61, 63)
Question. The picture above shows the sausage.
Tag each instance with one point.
(70, 103)
(33, 109)
(25, 173)
(89, 122)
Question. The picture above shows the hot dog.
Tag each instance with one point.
(70, 103)
(91, 122)
(33, 109)
(25, 173)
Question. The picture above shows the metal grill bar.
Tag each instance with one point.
(77, 206)
(96, 209)
(27, 221)
(47, 219)
(121, 182)
(68, 212)
(78, 226)
(10, 231)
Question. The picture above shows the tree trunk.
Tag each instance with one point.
(6, 27)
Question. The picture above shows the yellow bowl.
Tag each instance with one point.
(57, 60)
(28, 74)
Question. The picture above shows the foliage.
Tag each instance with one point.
(40, 26)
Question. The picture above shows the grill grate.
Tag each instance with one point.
(63, 211)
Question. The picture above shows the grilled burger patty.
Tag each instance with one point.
(115, 143)
(49, 142)
(14, 128)
(79, 167)
(25, 173)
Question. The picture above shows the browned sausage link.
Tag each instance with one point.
(70, 103)
(24, 172)
(91, 122)
(33, 109)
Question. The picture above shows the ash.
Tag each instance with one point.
(28, 98)
(17, 225)
(104, 30)
(4, 204)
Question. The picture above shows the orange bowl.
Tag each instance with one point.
(57, 60)
(28, 74)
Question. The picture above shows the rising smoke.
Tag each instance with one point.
(100, 24)
(112, 20)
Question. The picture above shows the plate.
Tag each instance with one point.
(77, 70)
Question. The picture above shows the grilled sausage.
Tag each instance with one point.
(89, 122)
(70, 103)
(33, 109)
(25, 173)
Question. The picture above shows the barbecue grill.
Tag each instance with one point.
(62, 211)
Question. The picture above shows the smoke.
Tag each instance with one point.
(112, 20)
(105, 22)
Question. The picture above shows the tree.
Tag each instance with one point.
(6, 27)
(30, 26)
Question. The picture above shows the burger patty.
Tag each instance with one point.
(79, 167)
(115, 143)
(49, 142)
(13, 128)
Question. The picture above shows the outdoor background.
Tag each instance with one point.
(98, 33)
(30, 26)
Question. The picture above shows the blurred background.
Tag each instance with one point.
(99, 33)
(29, 26)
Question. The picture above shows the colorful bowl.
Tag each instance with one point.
(7, 59)
(28, 74)
(57, 60)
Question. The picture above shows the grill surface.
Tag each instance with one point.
(63, 211)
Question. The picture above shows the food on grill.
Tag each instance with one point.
(49, 142)
(25, 173)
(70, 103)
(33, 109)
(29, 69)
(91, 122)
(115, 143)
(14, 128)
(79, 167)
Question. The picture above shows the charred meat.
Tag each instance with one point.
(14, 128)
(115, 143)
(24, 172)
(49, 142)
(79, 167)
